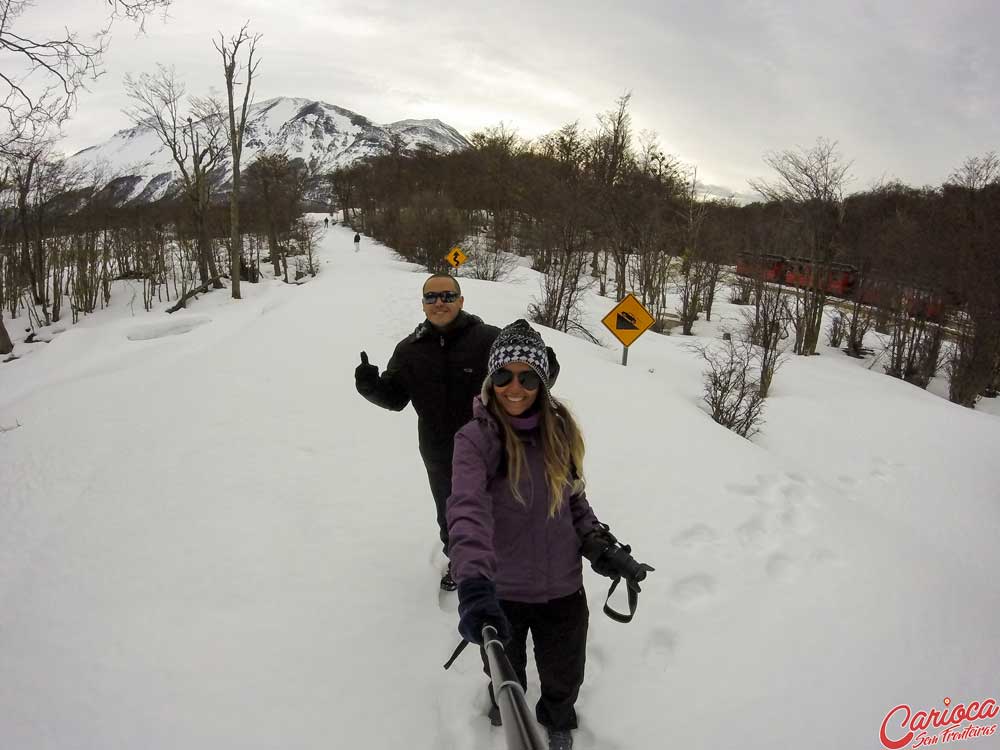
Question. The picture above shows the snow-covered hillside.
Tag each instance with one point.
(319, 133)
(208, 540)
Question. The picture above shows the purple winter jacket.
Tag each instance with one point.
(529, 556)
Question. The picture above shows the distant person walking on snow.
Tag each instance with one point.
(357, 242)
(519, 523)
(439, 368)
(326, 222)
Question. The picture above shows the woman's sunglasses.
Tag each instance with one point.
(528, 379)
(431, 297)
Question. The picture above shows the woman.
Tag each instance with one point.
(516, 518)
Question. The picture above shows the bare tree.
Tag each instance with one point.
(611, 159)
(498, 149)
(306, 233)
(563, 286)
(914, 347)
(275, 187)
(720, 241)
(42, 76)
(972, 196)
(767, 327)
(487, 261)
(693, 268)
(6, 345)
(812, 182)
(977, 172)
(37, 178)
(230, 51)
(196, 148)
(732, 389)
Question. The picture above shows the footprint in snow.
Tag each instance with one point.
(584, 739)
(273, 305)
(693, 590)
(436, 557)
(796, 493)
(780, 567)
(826, 557)
(695, 537)
(661, 645)
(883, 469)
(166, 328)
(597, 658)
(754, 534)
(793, 519)
(755, 491)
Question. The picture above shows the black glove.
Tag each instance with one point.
(612, 559)
(478, 606)
(365, 375)
(594, 545)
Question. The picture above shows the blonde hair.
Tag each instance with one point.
(562, 448)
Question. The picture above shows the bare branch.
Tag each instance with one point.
(977, 172)
(817, 173)
(61, 66)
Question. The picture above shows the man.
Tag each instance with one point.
(439, 367)
(357, 241)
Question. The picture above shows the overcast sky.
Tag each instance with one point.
(909, 88)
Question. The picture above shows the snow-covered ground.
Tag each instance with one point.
(209, 540)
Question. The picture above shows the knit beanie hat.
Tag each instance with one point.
(519, 342)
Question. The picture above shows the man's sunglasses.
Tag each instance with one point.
(528, 379)
(431, 297)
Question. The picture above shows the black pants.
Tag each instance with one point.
(439, 476)
(559, 632)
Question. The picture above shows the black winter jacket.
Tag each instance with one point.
(440, 372)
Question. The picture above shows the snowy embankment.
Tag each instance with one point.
(209, 540)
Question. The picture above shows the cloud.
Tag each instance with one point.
(907, 88)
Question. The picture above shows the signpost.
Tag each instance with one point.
(628, 321)
(456, 257)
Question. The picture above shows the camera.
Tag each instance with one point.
(612, 559)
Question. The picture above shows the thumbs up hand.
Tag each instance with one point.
(365, 375)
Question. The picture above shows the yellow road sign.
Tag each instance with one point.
(456, 257)
(628, 321)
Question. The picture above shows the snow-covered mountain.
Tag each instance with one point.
(320, 133)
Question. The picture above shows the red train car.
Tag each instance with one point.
(837, 279)
(841, 280)
(766, 267)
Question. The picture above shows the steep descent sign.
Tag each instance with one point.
(456, 257)
(628, 321)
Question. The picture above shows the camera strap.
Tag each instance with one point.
(633, 602)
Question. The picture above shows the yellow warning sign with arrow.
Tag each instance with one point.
(456, 257)
(628, 320)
